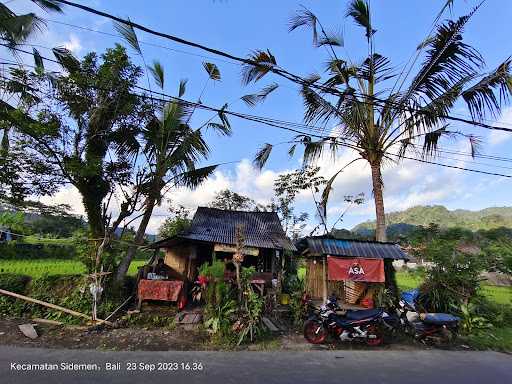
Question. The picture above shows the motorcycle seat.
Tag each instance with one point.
(439, 318)
(363, 314)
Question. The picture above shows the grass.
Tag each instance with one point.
(500, 295)
(52, 267)
(497, 339)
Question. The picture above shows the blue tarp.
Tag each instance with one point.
(410, 297)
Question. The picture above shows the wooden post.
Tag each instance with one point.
(52, 306)
(324, 273)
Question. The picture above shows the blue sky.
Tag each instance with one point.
(241, 26)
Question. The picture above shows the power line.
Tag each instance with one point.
(450, 166)
(317, 129)
(140, 42)
(276, 123)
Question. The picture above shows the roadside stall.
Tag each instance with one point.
(160, 282)
(353, 270)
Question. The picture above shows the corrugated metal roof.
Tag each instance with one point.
(355, 248)
(262, 229)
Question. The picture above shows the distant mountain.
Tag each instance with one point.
(401, 223)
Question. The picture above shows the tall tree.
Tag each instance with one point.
(80, 128)
(381, 115)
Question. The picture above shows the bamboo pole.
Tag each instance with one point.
(118, 308)
(52, 306)
(324, 278)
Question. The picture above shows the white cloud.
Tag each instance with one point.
(73, 44)
(405, 185)
(68, 195)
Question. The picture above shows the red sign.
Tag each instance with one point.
(355, 269)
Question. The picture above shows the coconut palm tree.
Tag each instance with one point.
(171, 149)
(378, 112)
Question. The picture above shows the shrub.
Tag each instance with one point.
(13, 282)
(453, 280)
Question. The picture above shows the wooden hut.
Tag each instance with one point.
(212, 234)
(347, 268)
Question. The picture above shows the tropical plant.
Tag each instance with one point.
(171, 147)
(16, 29)
(453, 278)
(383, 116)
(471, 321)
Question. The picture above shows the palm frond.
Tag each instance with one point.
(304, 18)
(224, 119)
(359, 11)
(66, 59)
(262, 155)
(425, 43)
(193, 178)
(333, 39)
(313, 150)
(448, 60)
(481, 98)
(128, 33)
(377, 67)
(264, 62)
(221, 129)
(38, 60)
(317, 109)
(431, 140)
(182, 87)
(48, 5)
(291, 150)
(157, 71)
(212, 70)
(253, 99)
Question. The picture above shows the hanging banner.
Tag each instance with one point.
(355, 269)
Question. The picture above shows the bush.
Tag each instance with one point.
(13, 282)
(453, 280)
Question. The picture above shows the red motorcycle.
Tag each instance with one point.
(364, 325)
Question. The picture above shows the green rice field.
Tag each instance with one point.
(500, 295)
(40, 267)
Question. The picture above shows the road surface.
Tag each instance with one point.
(358, 367)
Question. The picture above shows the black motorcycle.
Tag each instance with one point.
(362, 325)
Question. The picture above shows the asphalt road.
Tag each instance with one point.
(397, 367)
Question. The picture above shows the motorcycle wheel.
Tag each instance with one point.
(379, 336)
(314, 332)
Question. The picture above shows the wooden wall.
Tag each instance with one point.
(183, 259)
(314, 278)
(315, 281)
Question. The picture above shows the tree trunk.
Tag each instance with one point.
(238, 284)
(380, 230)
(138, 240)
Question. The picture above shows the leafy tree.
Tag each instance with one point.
(178, 222)
(233, 201)
(498, 255)
(382, 116)
(454, 277)
(286, 188)
(14, 221)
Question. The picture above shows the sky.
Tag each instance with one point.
(241, 26)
